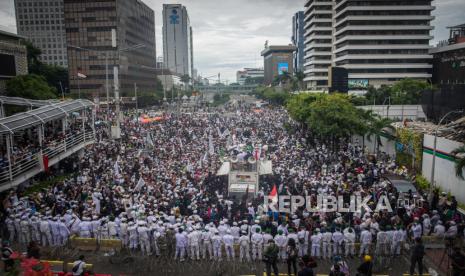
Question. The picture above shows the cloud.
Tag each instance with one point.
(448, 13)
(229, 35)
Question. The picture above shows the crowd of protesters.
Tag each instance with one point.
(157, 191)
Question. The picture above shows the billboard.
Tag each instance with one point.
(8, 67)
(283, 67)
(358, 84)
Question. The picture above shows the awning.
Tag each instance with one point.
(42, 115)
(266, 167)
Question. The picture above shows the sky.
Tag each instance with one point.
(230, 34)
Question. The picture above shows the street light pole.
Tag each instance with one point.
(106, 86)
(135, 95)
(79, 88)
(433, 165)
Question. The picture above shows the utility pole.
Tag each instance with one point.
(117, 131)
(218, 86)
(135, 95)
(107, 89)
(79, 88)
(62, 92)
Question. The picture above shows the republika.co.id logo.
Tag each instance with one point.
(326, 204)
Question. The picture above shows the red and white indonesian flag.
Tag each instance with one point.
(273, 196)
(81, 75)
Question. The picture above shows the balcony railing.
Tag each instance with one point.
(53, 150)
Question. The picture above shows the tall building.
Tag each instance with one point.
(448, 76)
(298, 40)
(378, 42)
(13, 58)
(89, 25)
(242, 75)
(318, 43)
(277, 60)
(42, 23)
(177, 40)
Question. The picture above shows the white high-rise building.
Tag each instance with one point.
(377, 41)
(318, 43)
(177, 40)
(42, 22)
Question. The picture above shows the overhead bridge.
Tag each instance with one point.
(16, 101)
(33, 141)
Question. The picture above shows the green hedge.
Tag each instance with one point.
(45, 184)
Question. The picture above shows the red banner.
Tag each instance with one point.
(45, 160)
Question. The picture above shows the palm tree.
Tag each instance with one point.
(299, 75)
(362, 128)
(460, 161)
(377, 127)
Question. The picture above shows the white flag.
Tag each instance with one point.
(140, 184)
(82, 76)
(205, 157)
(211, 147)
(180, 143)
(149, 139)
(116, 167)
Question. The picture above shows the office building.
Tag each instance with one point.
(242, 75)
(318, 43)
(277, 60)
(169, 81)
(448, 76)
(298, 40)
(177, 40)
(42, 23)
(159, 64)
(89, 25)
(13, 58)
(378, 42)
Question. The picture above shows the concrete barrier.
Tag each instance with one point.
(110, 245)
(433, 242)
(85, 244)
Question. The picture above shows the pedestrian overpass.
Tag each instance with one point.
(45, 136)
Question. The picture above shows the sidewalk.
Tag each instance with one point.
(433, 259)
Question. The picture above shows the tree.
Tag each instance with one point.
(365, 117)
(254, 80)
(300, 76)
(185, 79)
(298, 106)
(408, 91)
(377, 127)
(379, 95)
(333, 117)
(283, 79)
(56, 76)
(460, 161)
(33, 54)
(30, 87)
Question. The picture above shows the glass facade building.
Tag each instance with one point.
(89, 25)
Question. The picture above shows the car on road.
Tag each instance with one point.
(401, 184)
